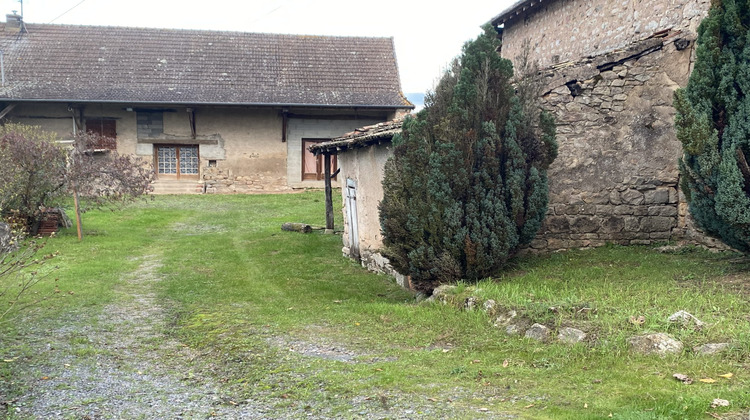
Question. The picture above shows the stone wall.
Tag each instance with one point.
(568, 30)
(226, 181)
(616, 177)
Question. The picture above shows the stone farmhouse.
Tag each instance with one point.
(608, 70)
(214, 111)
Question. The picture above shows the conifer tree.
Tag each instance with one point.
(467, 184)
(713, 124)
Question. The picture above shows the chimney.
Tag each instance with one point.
(13, 23)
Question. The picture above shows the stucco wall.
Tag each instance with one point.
(568, 30)
(365, 166)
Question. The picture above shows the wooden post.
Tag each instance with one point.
(78, 213)
(329, 193)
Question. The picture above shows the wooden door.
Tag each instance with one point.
(351, 218)
(177, 162)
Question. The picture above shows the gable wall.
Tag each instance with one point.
(616, 176)
(565, 30)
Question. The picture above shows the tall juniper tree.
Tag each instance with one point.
(713, 124)
(467, 184)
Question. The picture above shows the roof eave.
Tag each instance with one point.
(256, 104)
(516, 9)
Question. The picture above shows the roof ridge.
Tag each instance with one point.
(34, 25)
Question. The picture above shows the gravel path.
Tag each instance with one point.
(119, 363)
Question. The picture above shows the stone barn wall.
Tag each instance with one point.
(616, 177)
(567, 30)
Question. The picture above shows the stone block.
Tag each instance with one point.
(660, 235)
(640, 211)
(555, 244)
(668, 211)
(584, 224)
(587, 209)
(632, 224)
(605, 210)
(651, 224)
(631, 196)
(673, 195)
(538, 243)
(617, 83)
(623, 210)
(566, 209)
(614, 197)
(556, 224)
(613, 224)
(609, 75)
(658, 196)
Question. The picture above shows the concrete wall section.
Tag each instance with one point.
(568, 30)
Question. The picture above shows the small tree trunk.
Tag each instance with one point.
(79, 228)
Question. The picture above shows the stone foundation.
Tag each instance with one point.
(222, 181)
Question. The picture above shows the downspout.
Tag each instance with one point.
(2, 66)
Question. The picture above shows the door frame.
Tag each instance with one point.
(351, 217)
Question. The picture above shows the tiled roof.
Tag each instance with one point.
(361, 137)
(140, 65)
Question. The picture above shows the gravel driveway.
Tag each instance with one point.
(119, 363)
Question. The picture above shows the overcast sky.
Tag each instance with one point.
(427, 34)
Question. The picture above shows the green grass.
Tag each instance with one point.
(239, 290)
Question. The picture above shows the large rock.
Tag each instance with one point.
(711, 348)
(685, 319)
(505, 319)
(538, 332)
(441, 293)
(571, 335)
(657, 343)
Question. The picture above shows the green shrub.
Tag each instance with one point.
(467, 184)
(713, 124)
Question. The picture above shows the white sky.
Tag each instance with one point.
(427, 34)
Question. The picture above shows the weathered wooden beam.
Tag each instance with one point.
(329, 192)
(6, 110)
(296, 227)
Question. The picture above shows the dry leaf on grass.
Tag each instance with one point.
(505, 363)
(708, 380)
(727, 375)
(637, 320)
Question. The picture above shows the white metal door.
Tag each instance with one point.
(351, 217)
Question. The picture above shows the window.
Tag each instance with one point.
(149, 124)
(105, 127)
(177, 162)
(312, 166)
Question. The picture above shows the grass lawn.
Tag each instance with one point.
(284, 317)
